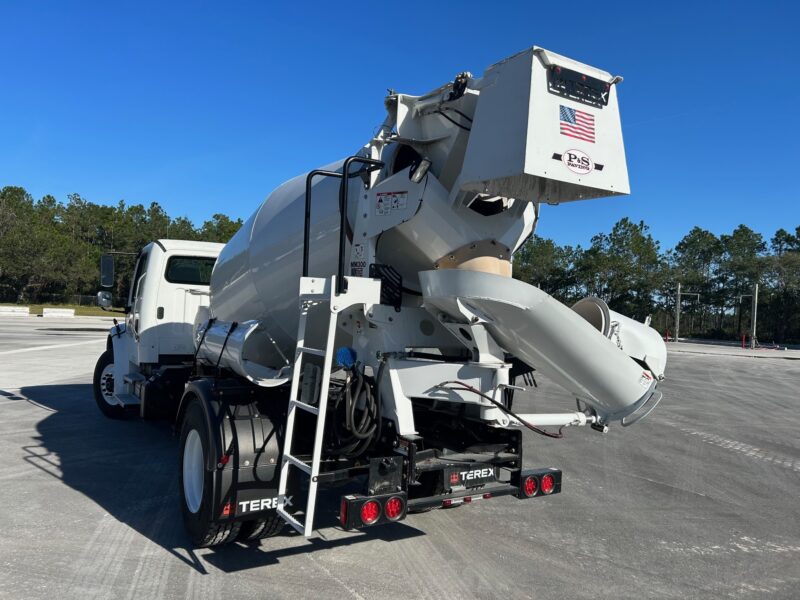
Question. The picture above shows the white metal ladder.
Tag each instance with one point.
(313, 291)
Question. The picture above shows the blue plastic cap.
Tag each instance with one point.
(346, 357)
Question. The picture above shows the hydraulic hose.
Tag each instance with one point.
(508, 411)
(368, 423)
(358, 432)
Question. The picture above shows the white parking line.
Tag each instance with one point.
(52, 347)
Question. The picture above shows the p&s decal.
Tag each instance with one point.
(578, 162)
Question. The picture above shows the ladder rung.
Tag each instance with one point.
(303, 466)
(291, 520)
(307, 407)
(314, 351)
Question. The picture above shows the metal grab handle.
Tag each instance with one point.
(371, 165)
(307, 224)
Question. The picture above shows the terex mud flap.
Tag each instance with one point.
(246, 440)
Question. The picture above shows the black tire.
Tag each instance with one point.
(103, 384)
(261, 528)
(203, 530)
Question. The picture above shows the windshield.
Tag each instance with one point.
(190, 270)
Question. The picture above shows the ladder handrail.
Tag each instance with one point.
(307, 224)
(370, 164)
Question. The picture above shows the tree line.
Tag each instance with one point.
(51, 250)
(628, 269)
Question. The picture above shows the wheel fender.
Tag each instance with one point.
(124, 350)
(202, 389)
(247, 480)
(115, 332)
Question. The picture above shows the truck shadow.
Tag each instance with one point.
(129, 468)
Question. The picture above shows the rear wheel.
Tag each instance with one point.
(103, 385)
(196, 485)
(261, 528)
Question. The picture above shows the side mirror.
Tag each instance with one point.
(106, 272)
(104, 299)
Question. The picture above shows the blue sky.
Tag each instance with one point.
(206, 107)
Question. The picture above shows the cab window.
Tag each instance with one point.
(141, 266)
(189, 270)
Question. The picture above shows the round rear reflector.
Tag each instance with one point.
(393, 508)
(548, 484)
(530, 485)
(370, 511)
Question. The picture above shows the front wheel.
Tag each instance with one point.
(196, 484)
(103, 385)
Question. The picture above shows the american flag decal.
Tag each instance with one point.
(577, 124)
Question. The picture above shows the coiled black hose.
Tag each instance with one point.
(359, 431)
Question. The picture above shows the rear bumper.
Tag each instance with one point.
(489, 491)
(512, 488)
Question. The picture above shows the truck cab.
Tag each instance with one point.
(154, 345)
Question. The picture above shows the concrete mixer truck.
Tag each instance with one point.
(363, 327)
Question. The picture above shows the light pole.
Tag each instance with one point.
(754, 314)
(678, 308)
(678, 312)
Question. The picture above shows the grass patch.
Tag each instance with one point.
(80, 311)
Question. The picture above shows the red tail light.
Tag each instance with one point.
(370, 512)
(537, 483)
(393, 508)
(359, 511)
(530, 486)
(548, 484)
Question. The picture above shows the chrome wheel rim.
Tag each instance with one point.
(107, 384)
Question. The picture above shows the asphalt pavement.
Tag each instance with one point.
(698, 500)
